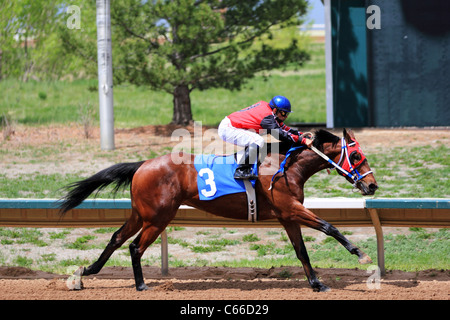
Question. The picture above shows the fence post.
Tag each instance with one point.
(164, 254)
(380, 240)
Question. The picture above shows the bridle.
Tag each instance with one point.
(344, 166)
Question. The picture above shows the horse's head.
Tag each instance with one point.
(355, 166)
(344, 154)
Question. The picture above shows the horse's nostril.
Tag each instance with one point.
(373, 187)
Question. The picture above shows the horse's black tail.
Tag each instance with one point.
(121, 174)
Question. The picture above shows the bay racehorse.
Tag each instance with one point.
(159, 186)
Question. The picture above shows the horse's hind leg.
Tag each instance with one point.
(149, 233)
(129, 229)
(147, 236)
(295, 235)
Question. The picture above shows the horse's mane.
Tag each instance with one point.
(324, 136)
(321, 136)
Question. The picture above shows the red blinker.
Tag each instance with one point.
(353, 147)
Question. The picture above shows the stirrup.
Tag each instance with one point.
(244, 172)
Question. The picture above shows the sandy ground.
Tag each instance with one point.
(219, 283)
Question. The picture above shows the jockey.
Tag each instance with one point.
(244, 128)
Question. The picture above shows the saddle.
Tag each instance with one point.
(215, 178)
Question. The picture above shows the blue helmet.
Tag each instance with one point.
(281, 103)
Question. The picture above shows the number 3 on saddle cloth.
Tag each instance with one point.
(215, 176)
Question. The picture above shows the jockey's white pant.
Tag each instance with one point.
(238, 136)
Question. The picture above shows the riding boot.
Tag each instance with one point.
(244, 169)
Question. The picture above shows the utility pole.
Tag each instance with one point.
(329, 65)
(105, 79)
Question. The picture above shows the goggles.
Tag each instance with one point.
(283, 113)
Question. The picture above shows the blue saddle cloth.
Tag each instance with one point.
(215, 176)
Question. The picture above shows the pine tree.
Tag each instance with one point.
(183, 45)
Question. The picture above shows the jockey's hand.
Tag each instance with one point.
(308, 142)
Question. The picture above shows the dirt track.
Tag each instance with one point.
(206, 283)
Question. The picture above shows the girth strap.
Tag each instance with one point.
(251, 201)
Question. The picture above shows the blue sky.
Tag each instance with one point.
(316, 13)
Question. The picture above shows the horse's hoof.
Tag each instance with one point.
(74, 281)
(322, 288)
(142, 287)
(365, 259)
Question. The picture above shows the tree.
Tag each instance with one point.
(28, 46)
(182, 45)
(8, 28)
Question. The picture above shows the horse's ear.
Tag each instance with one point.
(348, 135)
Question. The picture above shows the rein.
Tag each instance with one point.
(283, 163)
(353, 174)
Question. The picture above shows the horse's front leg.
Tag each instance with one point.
(330, 230)
(295, 235)
(307, 218)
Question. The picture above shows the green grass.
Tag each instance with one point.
(35, 185)
(414, 252)
(81, 243)
(43, 186)
(41, 103)
(213, 245)
(306, 93)
(409, 172)
(401, 172)
(22, 236)
(138, 106)
(421, 249)
(250, 238)
(22, 261)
